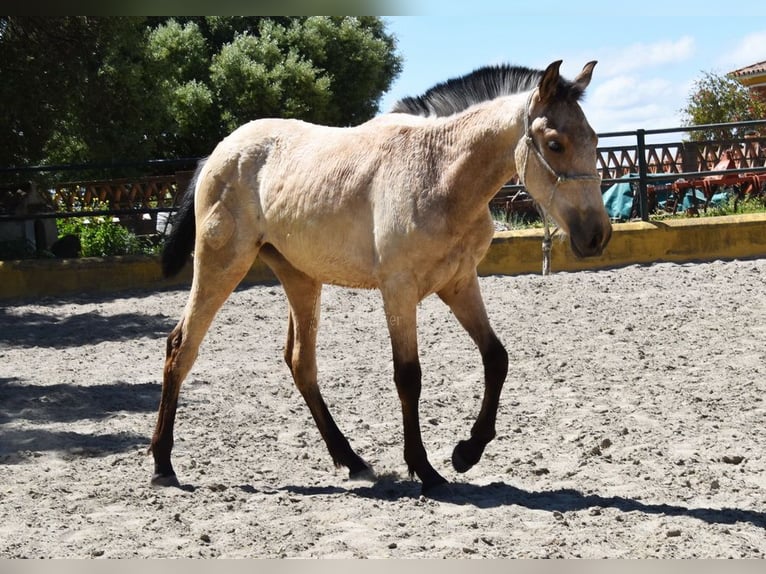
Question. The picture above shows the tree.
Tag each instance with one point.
(73, 90)
(720, 99)
(264, 76)
(110, 112)
(178, 58)
(356, 55)
(113, 89)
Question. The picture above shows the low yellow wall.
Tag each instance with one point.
(677, 240)
(33, 278)
(511, 253)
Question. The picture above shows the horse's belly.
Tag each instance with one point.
(346, 263)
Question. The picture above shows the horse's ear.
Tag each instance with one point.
(549, 82)
(583, 79)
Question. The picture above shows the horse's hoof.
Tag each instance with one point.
(459, 461)
(464, 456)
(364, 474)
(163, 480)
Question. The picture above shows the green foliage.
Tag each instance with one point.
(719, 99)
(100, 237)
(516, 220)
(264, 77)
(356, 55)
(734, 205)
(178, 50)
(95, 89)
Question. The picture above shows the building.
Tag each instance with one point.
(754, 78)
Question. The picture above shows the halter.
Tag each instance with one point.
(559, 179)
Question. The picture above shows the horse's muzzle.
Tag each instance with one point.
(590, 240)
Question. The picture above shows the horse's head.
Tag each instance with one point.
(556, 159)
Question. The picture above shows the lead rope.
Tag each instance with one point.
(547, 235)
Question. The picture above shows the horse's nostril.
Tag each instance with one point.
(594, 244)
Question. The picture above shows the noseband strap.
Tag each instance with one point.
(559, 179)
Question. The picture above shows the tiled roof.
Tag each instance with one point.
(752, 70)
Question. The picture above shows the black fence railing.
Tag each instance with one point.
(746, 154)
(132, 194)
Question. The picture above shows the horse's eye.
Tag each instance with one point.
(555, 145)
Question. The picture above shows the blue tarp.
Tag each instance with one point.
(618, 199)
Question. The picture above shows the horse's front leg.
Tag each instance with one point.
(464, 299)
(402, 326)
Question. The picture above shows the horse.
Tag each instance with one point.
(399, 203)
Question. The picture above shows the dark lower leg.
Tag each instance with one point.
(162, 444)
(407, 377)
(338, 446)
(162, 440)
(468, 452)
(289, 342)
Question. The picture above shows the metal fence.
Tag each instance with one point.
(721, 160)
(137, 195)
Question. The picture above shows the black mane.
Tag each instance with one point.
(483, 84)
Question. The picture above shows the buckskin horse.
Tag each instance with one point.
(399, 203)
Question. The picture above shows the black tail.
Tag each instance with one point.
(180, 243)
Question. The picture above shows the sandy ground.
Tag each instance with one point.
(631, 425)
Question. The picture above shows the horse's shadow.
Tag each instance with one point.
(564, 500)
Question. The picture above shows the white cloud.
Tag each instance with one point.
(641, 56)
(750, 50)
(649, 115)
(628, 91)
(629, 102)
(640, 86)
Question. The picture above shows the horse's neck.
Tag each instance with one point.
(485, 139)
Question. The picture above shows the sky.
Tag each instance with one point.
(649, 57)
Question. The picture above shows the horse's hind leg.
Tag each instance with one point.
(303, 294)
(216, 273)
(464, 299)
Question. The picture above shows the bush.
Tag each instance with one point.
(100, 237)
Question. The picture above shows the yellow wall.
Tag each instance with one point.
(678, 240)
(511, 253)
(36, 278)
